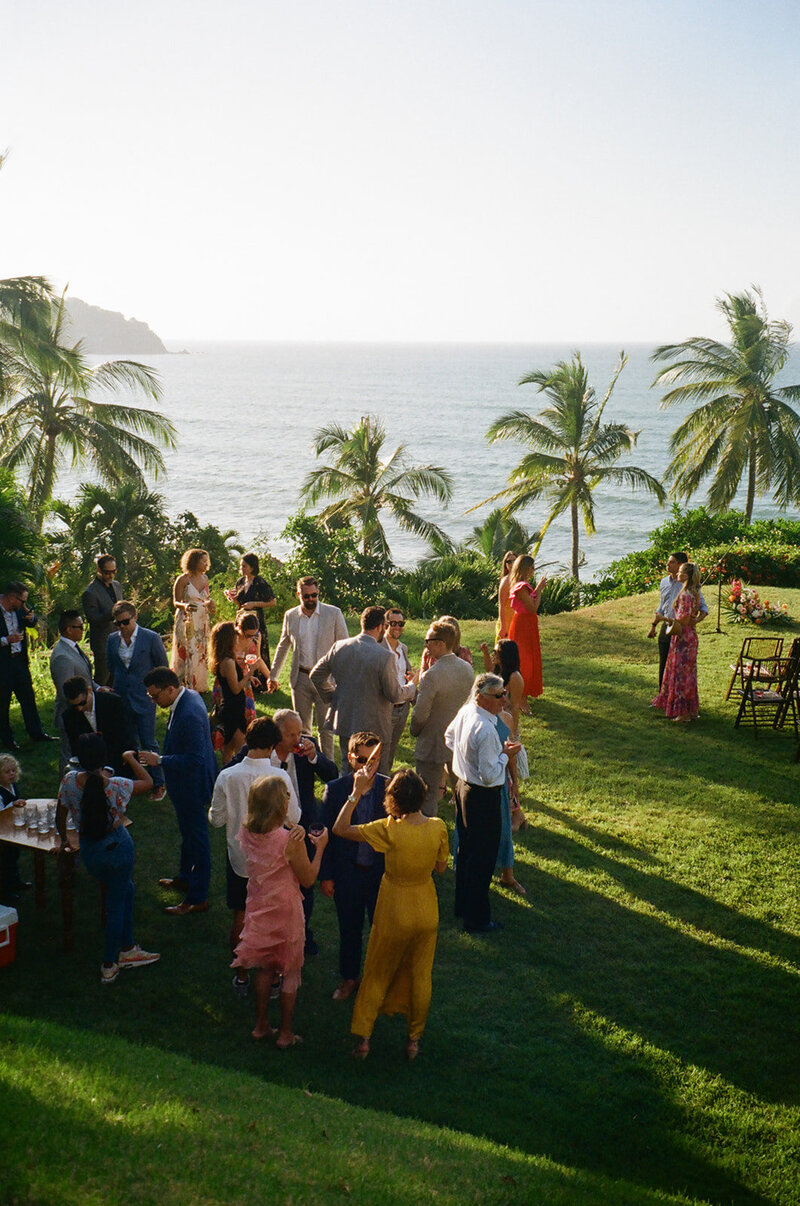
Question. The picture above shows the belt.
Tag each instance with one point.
(305, 669)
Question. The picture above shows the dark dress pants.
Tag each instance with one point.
(15, 678)
(195, 864)
(355, 895)
(664, 642)
(478, 821)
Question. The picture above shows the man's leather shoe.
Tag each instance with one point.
(11, 745)
(180, 910)
(174, 885)
(45, 737)
(158, 793)
(345, 990)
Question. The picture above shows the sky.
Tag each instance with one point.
(549, 170)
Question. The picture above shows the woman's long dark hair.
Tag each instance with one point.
(93, 755)
(508, 658)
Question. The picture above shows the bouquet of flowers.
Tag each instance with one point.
(747, 608)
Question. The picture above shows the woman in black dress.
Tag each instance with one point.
(254, 593)
(233, 683)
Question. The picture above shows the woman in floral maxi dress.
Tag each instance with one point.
(678, 695)
(193, 607)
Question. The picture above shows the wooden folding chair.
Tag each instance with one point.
(769, 695)
(761, 647)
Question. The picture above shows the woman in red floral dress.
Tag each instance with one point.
(678, 695)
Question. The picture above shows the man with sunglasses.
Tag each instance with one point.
(310, 630)
(67, 659)
(98, 602)
(351, 872)
(131, 653)
(442, 691)
(479, 762)
(395, 623)
(100, 712)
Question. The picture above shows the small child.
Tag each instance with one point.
(10, 882)
(273, 935)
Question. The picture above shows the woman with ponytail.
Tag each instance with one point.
(96, 800)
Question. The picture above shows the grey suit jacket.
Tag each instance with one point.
(66, 662)
(97, 606)
(332, 628)
(442, 691)
(366, 687)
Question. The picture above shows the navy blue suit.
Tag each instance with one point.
(128, 682)
(356, 883)
(190, 769)
(307, 773)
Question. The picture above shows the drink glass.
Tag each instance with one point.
(19, 818)
(44, 822)
(31, 816)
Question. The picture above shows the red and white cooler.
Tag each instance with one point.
(8, 935)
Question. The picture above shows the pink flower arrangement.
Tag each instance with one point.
(746, 607)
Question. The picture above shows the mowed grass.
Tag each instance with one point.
(632, 1035)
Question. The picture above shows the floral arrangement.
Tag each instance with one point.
(747, 608)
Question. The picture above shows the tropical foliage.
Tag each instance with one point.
(18, 543)
(365, 487)
(348, 577)
(499, 533)
(745, 425)
(572, 450)
(50, 416)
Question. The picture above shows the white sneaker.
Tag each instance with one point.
(136, 957)
(109, 974)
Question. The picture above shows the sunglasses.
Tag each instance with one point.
(502, 695)
(360, 759)
(80, 703)
(122, 623)
(308, 598)
(397, 623)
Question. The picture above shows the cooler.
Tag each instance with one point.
(8, 935)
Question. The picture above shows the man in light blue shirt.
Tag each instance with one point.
(479, 762)
(669, 589)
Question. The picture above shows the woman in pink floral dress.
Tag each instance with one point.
(678, 695)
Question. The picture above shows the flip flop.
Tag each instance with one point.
(294, 1041)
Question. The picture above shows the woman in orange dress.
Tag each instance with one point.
(505, 612)
(524, 627)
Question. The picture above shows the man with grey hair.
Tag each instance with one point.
(479, 763)
(442, 690)
(301, 757)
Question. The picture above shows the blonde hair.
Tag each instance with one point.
(454, 624)
(692, 583)
(508, 560)
(6, 761)
(192, 558)
(267, 801)
(522, 569)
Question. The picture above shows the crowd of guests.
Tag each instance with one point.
(373, 840)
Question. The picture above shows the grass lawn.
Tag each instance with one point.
(632, 1036)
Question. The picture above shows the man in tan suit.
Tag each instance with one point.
(366, 685)
(442, 691)
(310, 629)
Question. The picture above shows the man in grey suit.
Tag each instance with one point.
(97, 601)
(310, 630)
(66, 660)
(443, 689)
(131, 653)
(366, 685)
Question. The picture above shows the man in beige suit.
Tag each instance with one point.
(366, 685)
(310, 629)
(442, 691)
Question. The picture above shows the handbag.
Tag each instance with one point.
(523, 770)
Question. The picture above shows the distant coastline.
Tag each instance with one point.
(109, 333)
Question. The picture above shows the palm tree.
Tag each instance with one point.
(571, 452)
(121, 521)
(48, 415)
(364, 485)
(745, 424)
(498, 533)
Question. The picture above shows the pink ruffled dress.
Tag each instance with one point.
(274, 928)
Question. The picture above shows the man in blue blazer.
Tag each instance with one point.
(131, 652)
(190, 767)
(351, 872)
(301, 757)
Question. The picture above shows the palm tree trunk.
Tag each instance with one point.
(573, 512)
(751, 484)
(48, 481)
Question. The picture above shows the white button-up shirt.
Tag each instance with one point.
(229, 802)
(307, 639)
(669, 589)
(126, 651)
(478, 756)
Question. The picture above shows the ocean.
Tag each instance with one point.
(246, 414)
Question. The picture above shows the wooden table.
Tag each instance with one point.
(48, 845)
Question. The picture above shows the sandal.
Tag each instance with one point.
(362, 1050)
(412, 1049)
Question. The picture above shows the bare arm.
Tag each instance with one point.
(362, 782)
(178, 589)
(142, 782)
(297, 858)
(227, 670)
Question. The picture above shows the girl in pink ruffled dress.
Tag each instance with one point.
(273, 935)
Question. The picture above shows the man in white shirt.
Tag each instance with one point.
(669, 589)
(229, 808)
(309, 630)
(479, 762)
